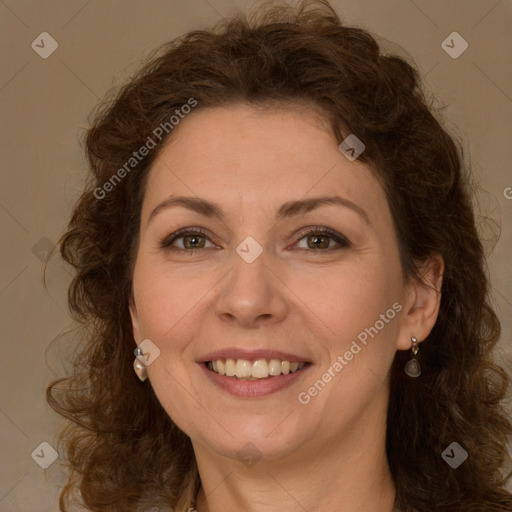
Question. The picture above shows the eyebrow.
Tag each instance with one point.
(288, 209)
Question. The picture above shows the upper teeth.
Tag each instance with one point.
(259, 369)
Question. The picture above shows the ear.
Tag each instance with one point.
(421, 304)
(135, 318)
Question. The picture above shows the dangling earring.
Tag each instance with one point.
(140, 369)
(412, 367)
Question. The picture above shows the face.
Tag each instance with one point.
(263, 274)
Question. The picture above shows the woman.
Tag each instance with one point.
(282, 289)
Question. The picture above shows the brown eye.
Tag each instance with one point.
(191, 239)
(321, 238)
(318, 241)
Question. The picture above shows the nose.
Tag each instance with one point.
(253, 293)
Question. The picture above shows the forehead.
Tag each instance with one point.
(244, 157)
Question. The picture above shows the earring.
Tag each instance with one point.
(412, 367)
(140, 369)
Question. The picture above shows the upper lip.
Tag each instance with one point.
(251, 355)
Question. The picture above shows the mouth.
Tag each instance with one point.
(253, 378)
(259, 369)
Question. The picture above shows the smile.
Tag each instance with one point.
(275, 375)
(244, 369)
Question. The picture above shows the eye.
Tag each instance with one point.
(320, 238)
(195, 238)
(192, 239)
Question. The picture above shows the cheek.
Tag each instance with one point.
(166, 307)
(352, 299)
(360, 313)
(358, 356)
(166, 300)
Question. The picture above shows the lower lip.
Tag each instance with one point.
(253, 388)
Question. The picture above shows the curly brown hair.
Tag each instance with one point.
(124, 451)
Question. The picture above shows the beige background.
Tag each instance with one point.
(44, 105)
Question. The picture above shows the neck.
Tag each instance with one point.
(281, 492)
(349, 473)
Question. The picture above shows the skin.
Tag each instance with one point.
(328, 454)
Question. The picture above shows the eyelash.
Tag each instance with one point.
(343, 242)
